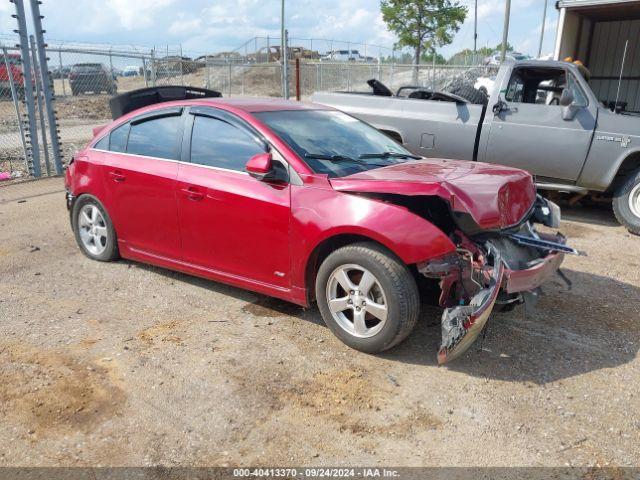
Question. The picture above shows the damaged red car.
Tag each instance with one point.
(309, 204)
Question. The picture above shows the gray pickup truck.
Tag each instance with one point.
(540, 116)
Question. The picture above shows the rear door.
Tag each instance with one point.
(530, 133)
(140, 175)
(230, 222)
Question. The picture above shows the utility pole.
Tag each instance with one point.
(544, 19)
(283, 56)
(505, 30)
(475, 33)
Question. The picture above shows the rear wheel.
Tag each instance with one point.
(93, 229)
(626, 203)
(367, 297)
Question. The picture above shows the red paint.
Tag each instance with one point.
(259, 164)
(470, 187)
(228, 226)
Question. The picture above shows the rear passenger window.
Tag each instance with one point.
(217, 143)
(103, 143)
(118, 138)
(158, 137)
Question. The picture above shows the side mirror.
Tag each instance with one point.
(569, 108)
(263, 168)
(259, 166)
(566, 98)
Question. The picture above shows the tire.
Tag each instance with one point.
(470, 93)
(99, 243)
(393, 288)
(626, 203)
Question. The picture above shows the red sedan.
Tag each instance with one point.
(308, 204)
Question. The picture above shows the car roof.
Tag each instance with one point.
(253, 105)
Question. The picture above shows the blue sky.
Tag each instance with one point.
(203, 26)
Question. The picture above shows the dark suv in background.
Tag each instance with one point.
(91, 77)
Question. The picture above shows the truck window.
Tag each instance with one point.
(541, 86)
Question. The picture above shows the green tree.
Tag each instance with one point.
(423, 24)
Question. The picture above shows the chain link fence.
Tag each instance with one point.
(84, 78)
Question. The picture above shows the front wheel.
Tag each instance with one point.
(626, 203)
(93, 229)
(367, 297)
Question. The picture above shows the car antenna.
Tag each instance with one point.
(624, 56)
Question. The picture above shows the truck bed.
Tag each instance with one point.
(426, 127)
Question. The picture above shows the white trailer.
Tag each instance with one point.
(596, 32)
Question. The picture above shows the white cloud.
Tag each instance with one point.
(185, 26)
(138, 13)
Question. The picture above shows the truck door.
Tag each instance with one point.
(533, 131)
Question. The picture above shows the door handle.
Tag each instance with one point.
(193, 193)
(117, 176)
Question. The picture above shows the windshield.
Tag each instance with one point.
(334, 143)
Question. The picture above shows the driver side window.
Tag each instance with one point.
(216, 143)
(579, 97)
(535, 85)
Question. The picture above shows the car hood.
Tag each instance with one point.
(495, 196)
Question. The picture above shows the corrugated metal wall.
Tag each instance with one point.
(605, 60)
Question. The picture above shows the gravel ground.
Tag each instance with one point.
(126, 364)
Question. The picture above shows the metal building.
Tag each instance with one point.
(596, 32)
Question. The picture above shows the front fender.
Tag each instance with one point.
(603, 163)
(412, 238)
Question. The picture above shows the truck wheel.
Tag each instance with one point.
(626, 203)
(367, 297)
(93, 230)
(469, 92)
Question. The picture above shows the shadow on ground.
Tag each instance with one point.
(569, 333)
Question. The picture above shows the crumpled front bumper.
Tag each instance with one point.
(463, 323)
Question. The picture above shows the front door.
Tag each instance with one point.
(230, 222)
(530, 133)
(140, 173)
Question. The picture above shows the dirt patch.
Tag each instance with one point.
(49, 392)
(93, 107)
(577, 230)
(271, 308)
(161, 333)
(349, 398)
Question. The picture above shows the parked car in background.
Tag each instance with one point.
(13, 73)
(342, 56)
(131, 71)
(309, 204)
(91, 77)
(540, 116)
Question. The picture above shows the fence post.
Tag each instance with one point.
(297, 79)
(64, 90)
(16, 104)
(348, 76)
(153, 67)
(28, 89)
(229, 61)
(47, 86)
(144, 72)
(181, 67)
(37, 72)
(110, 62)
(207, 72)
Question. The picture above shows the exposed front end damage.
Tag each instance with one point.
(493, 268)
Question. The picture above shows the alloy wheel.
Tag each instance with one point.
(357, 301)
(93, 229)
